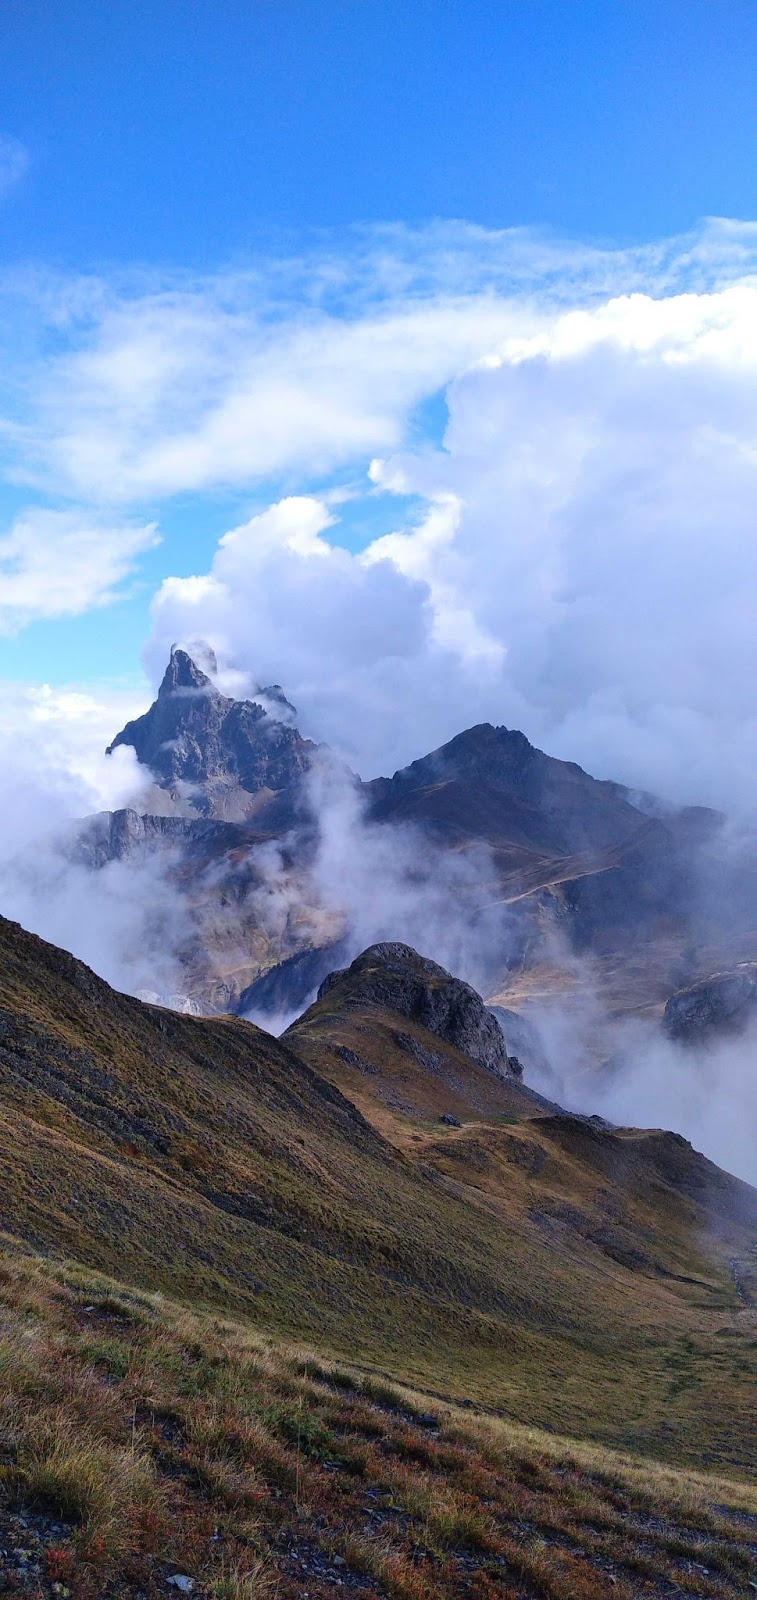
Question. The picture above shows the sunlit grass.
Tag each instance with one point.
(163, 1439)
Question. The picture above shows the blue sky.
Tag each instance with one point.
(181, 180)
(181, 131)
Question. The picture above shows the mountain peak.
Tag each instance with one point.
(183, 672)
(213, 755)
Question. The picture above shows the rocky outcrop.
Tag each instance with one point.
(126, 834)
(721, 1004)
(216, 756)
(395, 978)
(183, 1003)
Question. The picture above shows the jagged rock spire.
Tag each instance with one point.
(215, 755)
(183, 672)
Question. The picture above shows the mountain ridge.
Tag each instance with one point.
(282, 1181)
(565, 852)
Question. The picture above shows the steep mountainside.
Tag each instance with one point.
(213, 756)
(594, 1280)
(613, 873)
(210, 1458)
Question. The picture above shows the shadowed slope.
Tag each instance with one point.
(205, 1158)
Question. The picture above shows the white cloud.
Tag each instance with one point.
(585, 564)
(280, 602)
(53, 741)
(585, 570)
(184, 394)
(122, 920)
(156, 385)
(63, 563)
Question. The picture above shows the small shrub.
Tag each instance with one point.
(60, 1563)
(301, 1428)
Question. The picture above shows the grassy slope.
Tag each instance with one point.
(141, 1441)
(581, 1285)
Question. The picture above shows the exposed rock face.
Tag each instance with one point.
(523, 1041)
(122, 835)
(393, 977)
(215, 756)
(721, 1004)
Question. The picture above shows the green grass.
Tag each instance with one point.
(264, 1470)
(573, 1280)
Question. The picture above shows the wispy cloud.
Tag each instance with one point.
(141, 386)
(63, 563)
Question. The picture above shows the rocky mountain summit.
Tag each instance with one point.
(569, 857)
(212, 756)
(394, 977)
(497, 781)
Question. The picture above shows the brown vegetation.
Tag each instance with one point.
(566, 1277)
(141, 1442)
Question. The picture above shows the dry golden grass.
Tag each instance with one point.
(139, 1440)
(576, 1280)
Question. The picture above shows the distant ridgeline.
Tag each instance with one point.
(606, 870)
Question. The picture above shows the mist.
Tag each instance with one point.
(124, 920)
(367, 882)
(628, 1071)
(569, 550)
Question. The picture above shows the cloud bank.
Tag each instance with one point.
(573, 429)
(121, 921)
(584, 568)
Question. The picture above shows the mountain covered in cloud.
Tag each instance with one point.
(487, 852)
(212, 756)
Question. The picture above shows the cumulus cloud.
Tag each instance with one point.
(287, 606)
(63, 563)
(584, 567)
